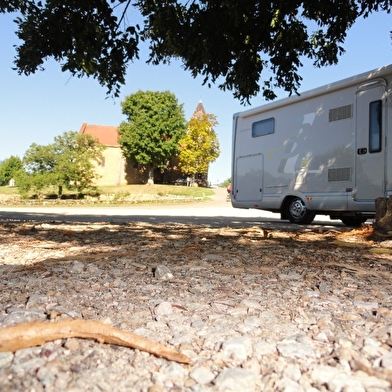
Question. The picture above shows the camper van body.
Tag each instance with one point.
(323, 152)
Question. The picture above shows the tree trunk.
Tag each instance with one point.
(150, 175)
(383, 218)
(60, 191)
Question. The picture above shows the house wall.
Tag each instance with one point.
(117, 170)
(112, 170)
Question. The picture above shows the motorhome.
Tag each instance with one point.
(325, 151)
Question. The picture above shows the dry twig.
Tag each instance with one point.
(37, 333)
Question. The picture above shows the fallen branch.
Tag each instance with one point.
(37, 333)
(360, 271)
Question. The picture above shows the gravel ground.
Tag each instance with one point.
(253, 310)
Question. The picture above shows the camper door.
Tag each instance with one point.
(370, 148)
(249, 178)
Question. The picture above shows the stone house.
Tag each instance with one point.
(112, 169)
(116, 170)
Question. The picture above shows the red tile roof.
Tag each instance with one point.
(106, 134)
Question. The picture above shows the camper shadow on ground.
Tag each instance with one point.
(210, 221)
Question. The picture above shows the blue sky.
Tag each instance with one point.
(36, 108)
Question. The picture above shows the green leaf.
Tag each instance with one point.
(156, 123)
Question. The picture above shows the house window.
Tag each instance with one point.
(263, 127)
(375, 120)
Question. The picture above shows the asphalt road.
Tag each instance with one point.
(215, 213)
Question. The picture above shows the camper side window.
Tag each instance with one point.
(263, 127)
(375, 126)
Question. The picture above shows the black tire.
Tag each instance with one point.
(296, 212)
(353, 221)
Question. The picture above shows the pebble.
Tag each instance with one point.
(293, 349)
(6, 359)
(72, 344)
(252, 313)
(162, 272)
(386, 244)
(236, 379)
(163, 308)
(202, 375)
(238, 349)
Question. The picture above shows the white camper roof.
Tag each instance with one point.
(335, 86)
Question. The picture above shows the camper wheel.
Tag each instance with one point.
(296, 212)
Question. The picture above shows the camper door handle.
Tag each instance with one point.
(362, 151)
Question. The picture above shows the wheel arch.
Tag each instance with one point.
(290, 197)
(297, 210)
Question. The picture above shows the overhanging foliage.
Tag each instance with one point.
(244, 46)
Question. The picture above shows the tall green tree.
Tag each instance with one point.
(200, 145)
(234, 43)
(8, 169)
(67, 163)
(156, 123)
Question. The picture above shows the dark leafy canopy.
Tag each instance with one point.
(233, 43)
(83, 36)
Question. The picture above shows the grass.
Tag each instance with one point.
(116, 195)
(7, 190)
(156, 190)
